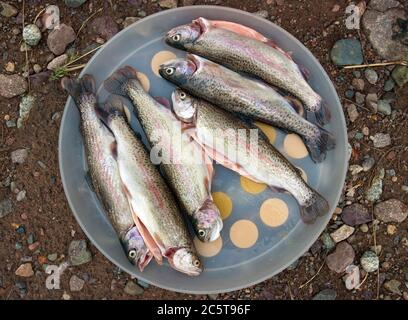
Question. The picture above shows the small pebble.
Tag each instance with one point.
(20, 230)
(369, 261)
(371, 76)
(389, 85)
(391, 229)
(52, 257)
(364, 228)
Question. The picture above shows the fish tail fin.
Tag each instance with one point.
(319, 145)
(115, 105)
(79, 87)
(117, 80)
(318, 206)
(322, 114)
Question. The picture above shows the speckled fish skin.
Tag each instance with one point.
(249, 55)
(266, 164)
(153, 206)
(104, 171)
(191, 182)
(233, 92)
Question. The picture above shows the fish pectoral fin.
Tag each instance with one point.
(89, 181)
(148, 239)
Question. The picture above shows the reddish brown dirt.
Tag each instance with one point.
(52, 223)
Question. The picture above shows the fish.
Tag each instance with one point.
(236, 93)
(189, 180)
(221, 132)
(104, 171)
(245, 50)
(153, 206)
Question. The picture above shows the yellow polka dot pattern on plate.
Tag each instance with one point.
(160, 58)
(303, 173)
(268, 130)
(251, 186)
(244, 234)
(294, 146)
(144, 80)
(274, 212)
(223, 203)
(208, 249)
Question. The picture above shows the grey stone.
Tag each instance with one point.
(379, 29)
(168, 4)
(389, 85)
(12, 85)
(19, 156)
(104, 27)
(341, 258)
(76, 283)
(352, 112)
(52, 257)
(392, 210)
(371, 101)
(26, 104)
(352, 277)
(371, 76)
(375, 190)
(57, 62)
(78, 253)
(369, 261)
(326, 294)
(6, 207)
(342, 233)
(400, 75)
(59, 38)
(358, 84)
(31, 35)
(393, 286)
(21, 195)
(7, 10)
(132, 289)
(262, 13)
(368, 163)
(383, 5)
(381, 140)
(349, 94)
(355, 214)
(360, 98)
(384, 107)
(347, 52)
(328, 242)
(129, 20)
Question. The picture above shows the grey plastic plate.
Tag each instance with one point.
(232, 268)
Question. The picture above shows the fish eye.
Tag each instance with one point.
(196, 263)
(169, 71)
(176, 37)
(182, 95)
(201, 233)
(132, 254)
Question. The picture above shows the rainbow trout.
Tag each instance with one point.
(153, 206)
(243, 49)
(190, 180)
(104, 171)
(220, 132)
(236, 93)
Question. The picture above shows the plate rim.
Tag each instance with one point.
(326, 219)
